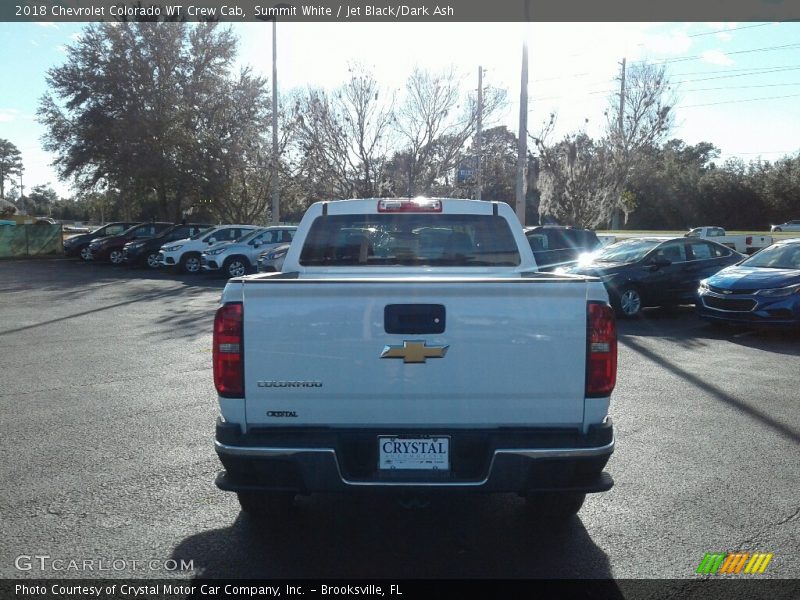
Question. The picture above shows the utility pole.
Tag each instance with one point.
(622, 100)
(615, 216)
(478, 134)
(276, 208)
(522, 142)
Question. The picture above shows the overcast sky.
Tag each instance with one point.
(738, 83)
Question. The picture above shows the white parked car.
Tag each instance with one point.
(241, 257)
(185, 254)
(271, 261)
(788, 226)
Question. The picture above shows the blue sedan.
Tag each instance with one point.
(762, 290)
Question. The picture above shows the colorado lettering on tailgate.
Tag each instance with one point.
(289, 384)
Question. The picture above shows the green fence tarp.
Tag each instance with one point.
(29, 240)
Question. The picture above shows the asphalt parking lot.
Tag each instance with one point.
(108, 412)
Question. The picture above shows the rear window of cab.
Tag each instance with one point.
(410, 239)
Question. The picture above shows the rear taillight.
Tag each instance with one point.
(748, 240)
(601, 350)
(228, 348)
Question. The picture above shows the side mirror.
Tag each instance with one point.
(212, 241)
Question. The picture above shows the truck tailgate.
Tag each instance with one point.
(514, 353)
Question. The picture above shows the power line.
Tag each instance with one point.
(700, 105)
(694, 35)
(559, 77)
(736, 75)
(669, 61)
(577, 54)
(575, 99)
(731, 74)
(740, 101)
(728, 72)
(732, 70)
(739, 87)
(696, 57)
(746, 71)
(682, 90)
(762, 152)
(728, 30)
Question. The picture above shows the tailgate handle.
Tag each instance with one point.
(414, 318)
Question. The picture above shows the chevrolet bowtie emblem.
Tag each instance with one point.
(414, 352)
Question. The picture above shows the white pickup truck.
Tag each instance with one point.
(744, 243)
(410, 345)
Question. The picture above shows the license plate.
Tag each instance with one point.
(418, 453)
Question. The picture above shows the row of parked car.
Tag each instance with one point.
(232, 250)
(701, 268)
(726, 286)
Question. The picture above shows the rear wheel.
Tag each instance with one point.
(777, 230)
(116, 257)
(629, 303)
(85, 253)
(235, 267)
(190, 263)
(151, 260)
(264, 506)
(554, 508)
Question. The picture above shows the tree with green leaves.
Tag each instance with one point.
(664, 187)
(584, 181)
(779, 185)
(39, 200)
(10, 164)
(145, 110)
(576, 180)
(498, 164)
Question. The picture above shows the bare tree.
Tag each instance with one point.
(435, 123)
(643, 119)
(368, 125)
(343, 137)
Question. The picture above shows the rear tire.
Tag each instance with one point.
(235, 266)
(190, 263)
(777, 230)
(629, 302)
(85, 253)
(552, 508)
(151, 260)
(267, 505)
(116, 257)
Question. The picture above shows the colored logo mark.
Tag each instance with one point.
(734, 563)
